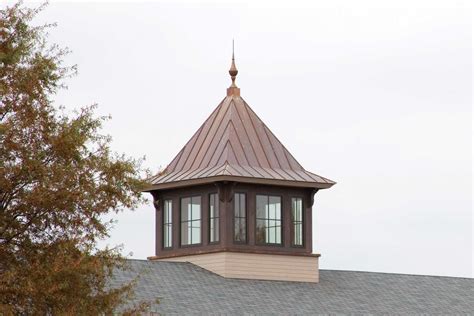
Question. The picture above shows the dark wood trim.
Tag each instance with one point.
(263, 252)
(200, 181)
(226, 219)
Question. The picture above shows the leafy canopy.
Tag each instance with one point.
(58, 176)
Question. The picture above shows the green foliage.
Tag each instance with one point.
(58, 176)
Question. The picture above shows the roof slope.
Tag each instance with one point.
(234, 143)
(184, 289)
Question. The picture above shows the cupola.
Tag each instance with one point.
(235, 201)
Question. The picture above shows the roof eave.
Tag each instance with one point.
(277, 182)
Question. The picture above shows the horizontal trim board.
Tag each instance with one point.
(184, 183)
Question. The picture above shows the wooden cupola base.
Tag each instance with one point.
(241, 265)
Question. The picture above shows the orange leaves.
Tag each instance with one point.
(57, 178)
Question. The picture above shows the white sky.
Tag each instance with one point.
(375, 95)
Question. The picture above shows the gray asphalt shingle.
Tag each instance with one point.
(184, 288)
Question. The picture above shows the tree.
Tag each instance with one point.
(58, 176)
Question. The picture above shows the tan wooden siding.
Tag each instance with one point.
(256, 266)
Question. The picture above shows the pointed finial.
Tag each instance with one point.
(233, 70)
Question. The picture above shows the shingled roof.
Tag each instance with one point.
(185, 289)
(234, 144)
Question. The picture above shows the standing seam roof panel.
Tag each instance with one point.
(234, 141)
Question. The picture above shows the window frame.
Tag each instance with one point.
(246, 218)
(215, 217)
(292, 223)
(169, 224)
(282, 221)
(181, 222)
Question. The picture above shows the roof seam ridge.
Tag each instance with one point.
(223, 151)
(213, 137)
(215, 151)
(265, 128)
(240, 143)
(199, 131)
(249, 139)
(256, 132)
(203, 140)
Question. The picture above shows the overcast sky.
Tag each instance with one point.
(374, 96)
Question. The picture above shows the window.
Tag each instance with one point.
(297, 221)
(168, 224)
(268, 219)
(214, 217)
(240, 218)
(191, 220)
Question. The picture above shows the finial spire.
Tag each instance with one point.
(233, 70)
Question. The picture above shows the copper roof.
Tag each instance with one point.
(234, 144)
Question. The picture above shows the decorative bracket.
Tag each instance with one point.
(225, 195)
(313, 193)
(220, 191)
(231, 191)
(156, 201)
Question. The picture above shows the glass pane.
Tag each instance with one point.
(261, 206)
(239, 229)
(275, 203)
(298, 234)
(297, 217)
(243, 230)
(271, 211)
(268, 228)
(190, 233)
(295, 234)
(242, 205)
(196, 208)
(239, 217)
(278, 235)
(184, 233)
(165, 236)
(212, 235)
(237, 236)
(170, 238)
(167, 223)
(260, 233)
(191, 220)
(237, 204)
(213, 218)
(271, 235)
(185, 204)
(213, 206)
(214, 230)
(212, 212)
(166, 211)
(297, 208)
(196, 235)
